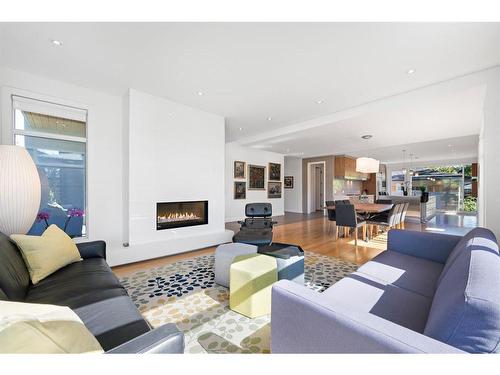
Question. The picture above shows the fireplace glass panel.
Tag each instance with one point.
(181, 214)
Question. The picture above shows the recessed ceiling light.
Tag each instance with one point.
(410, 71)
(200, 93)
(319, 101)
(57, 42)
(240, 129)
(269, 119)
(367, 136)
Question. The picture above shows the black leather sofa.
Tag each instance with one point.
(93, 292)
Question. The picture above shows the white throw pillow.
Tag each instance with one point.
(31, 328)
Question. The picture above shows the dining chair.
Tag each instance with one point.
(383, 201)
(397, 222)
(331, 217)
(403, 215)
(384, 220)
(346, 218)
(342, 201)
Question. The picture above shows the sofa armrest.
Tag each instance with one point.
(304, 321)
(166, 339)
(94, 249)
(435, 247)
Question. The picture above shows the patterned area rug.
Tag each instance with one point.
(184, 293)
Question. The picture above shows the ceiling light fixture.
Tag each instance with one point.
(240, 129)
(200, 93)
(410, 71)
(56, 42)
(367, 165)
(269, 119)
(319, 101)
(367, 136)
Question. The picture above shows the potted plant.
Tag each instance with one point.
(424, 198)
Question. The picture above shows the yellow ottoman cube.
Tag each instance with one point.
(251, 278)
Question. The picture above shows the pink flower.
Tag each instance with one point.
(42, 215)
(75, 212)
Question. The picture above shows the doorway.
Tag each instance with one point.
(315, 186)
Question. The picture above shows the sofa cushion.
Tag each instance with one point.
(113, 321)
(14, 276)
(364, 293)
(47, 253)
(92, 290)
(404, 271)
(40, 328)
(76, 284)
(458, 250)
(465, 311)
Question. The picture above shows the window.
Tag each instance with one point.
(55, 137)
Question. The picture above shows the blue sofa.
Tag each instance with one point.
(428, 293)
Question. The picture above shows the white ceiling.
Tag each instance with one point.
(249, 72)
(416, 117)
(457, 148)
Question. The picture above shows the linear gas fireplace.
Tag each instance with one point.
(181, 214)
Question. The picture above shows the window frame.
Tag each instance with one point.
(30, 133)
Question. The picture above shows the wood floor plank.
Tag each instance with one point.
(312, 233)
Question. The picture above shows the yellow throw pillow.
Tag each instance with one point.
(31, 328)
(47, 253)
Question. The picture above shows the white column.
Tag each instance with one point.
(489, 157)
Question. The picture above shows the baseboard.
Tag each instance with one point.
(118, 255)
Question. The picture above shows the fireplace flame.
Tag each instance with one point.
(177, 216)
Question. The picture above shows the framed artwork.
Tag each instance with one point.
(256, 177)
(274, 172)
(274, 189)
(239, 170)
(240, 189)
(288, 182)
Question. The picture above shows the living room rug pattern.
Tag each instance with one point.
(184, 293)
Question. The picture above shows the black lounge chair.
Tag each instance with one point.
(257, 228)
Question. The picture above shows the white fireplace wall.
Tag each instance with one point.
(175, 153)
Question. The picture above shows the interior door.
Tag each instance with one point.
(319, 188)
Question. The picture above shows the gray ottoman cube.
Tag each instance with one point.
(289, 260)
(291, 269)
(224, 255)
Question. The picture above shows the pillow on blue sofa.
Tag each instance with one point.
(465, 311)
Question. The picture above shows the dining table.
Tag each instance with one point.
(367, 208)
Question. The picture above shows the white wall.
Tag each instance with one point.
(176, 153)
(104, 147)
(183, 173)
(293, 197)
(489, 156)
(235, 208)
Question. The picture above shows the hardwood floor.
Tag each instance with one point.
(314, 233)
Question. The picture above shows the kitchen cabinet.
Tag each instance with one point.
(345, 167)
